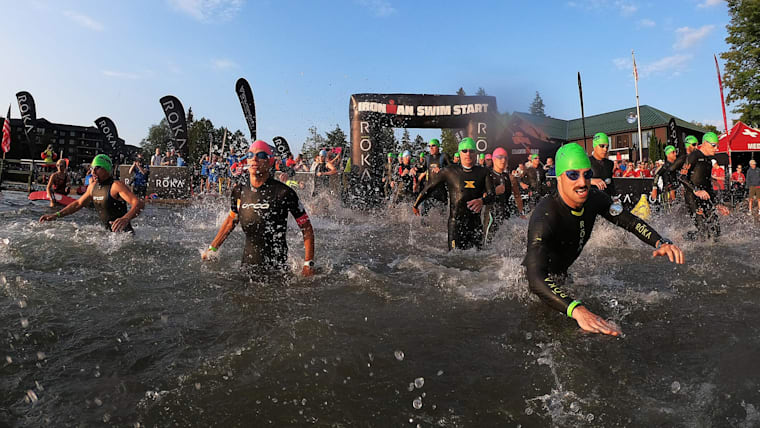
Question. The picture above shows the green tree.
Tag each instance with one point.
(461, 91)
(406, 141)
(200, 134)
(708, 127)
(419, 143)
(449, 143)
(481, 91)
(159, 136)
(337, 138)
(313, 143)
(537, 106)
(656, 149)
(742, 69)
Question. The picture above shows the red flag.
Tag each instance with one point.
(635, 70)
(7, 132)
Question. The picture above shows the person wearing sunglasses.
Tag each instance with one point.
(434, 161)
(505, 184)
(470, 187)
(110, 198)
(560, 227)
(707, 206)
(261, 206)
(603, 167)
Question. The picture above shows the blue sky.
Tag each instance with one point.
(84, 59)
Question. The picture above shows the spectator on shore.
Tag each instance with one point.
(753, 184)
(157, 159)
(718, 175)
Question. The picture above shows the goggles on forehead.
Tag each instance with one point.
(257, 155)
(574, 174)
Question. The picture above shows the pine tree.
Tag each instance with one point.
(337, 138)
(656, 149)
(313, 144)
(406, 141)
(537, 106)
(481, 91)
(742, 64)
(419, 143)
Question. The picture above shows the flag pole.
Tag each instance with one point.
(638, 112)
(583, 116)
(725, 122)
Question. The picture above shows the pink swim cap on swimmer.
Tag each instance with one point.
(262, 146)
(488, 156)
(499, 151)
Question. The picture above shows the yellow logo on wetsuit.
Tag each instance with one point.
(469, 184)
(642, 229)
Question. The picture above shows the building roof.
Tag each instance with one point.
(613, 122)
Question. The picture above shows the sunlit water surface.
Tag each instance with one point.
(100, 328)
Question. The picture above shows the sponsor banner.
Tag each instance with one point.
(423, 111)
(175, 115)
(630, 189)
(167, 182)
(108, 128)
(673, 134)
(245, 95)
(28, 115)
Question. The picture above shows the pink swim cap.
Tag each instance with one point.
(499, 151)
(260, 145)
(488, 156)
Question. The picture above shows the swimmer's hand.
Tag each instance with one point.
(588, 321)
(416, 211)
(307, 271)
(599, 183)
(48, 217)
(475, 205)
(119, 224)
(702, 194)
(722, 210)
(500, 189)
(672, 251)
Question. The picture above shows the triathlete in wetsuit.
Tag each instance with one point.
(470, 187)
(435, 161)
(261, 207)
(602, 167)
(535, 178)
(668, 174)
(109, 196)
(405, 178)
(504, 184)
(700, 185)
(322, 172)
(58, 183)
(561, 225)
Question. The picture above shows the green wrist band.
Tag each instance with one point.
(212, 248)
(58, 214)
(571, 307)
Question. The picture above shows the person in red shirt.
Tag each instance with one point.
(631, 171)
(645, 170)
(738, 176)
(718, 175)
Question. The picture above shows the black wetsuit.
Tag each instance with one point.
(405, 182)
(557, 234)
(669, 177)
(603, 169)
(689, 198)
(263, 214)
(439, 196)
(321, 182)
(465, 226)
(108, 207)
(500, 210)
(700, 173)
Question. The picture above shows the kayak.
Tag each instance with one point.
(43, 196)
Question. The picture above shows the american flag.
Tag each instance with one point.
(7, 132)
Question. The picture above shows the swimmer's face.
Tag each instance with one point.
(709, 149)
(574, 192)
(499, 162)
(99, 174)
(433, 150)
(258, 165)
(671, 156)
(600, 151)
(534, 162)
(467, 157)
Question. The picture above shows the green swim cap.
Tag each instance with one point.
(456, 155)
(691, 140)
(482, 156)
(533, 156)
(467, 143)
(571, 156)
(434, 142)
(710, 137)
(391, 155)
(669, 150)
(102, 161)
(601, 138)
(422, 155)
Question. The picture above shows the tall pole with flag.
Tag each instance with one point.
(723, 106)
(638, 112)
(6, 144)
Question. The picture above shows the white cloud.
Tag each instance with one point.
(204, 10)
(646, 23)
(120, 74)
(626, 7)
(84, 20)
(673, 65)
(380, 8)
(687, 37)
(223, 64)
(709, 3)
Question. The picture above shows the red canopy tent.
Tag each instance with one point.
(742, 138)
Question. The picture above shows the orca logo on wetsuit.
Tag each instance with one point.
(469, 184)
(255, 206)
(98, 198)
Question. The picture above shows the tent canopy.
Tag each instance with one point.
(742, 138)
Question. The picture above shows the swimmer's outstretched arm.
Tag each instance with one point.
(227, 227)
(542, 284)
(308, 244)
(439, 179)
(72, 207)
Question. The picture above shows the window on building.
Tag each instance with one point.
(645, 135)
(620, 141)
(72, 134)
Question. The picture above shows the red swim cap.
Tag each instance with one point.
(499, 151)
(260, 145)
